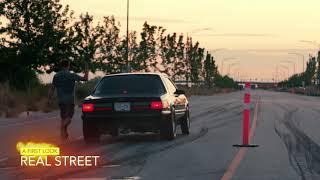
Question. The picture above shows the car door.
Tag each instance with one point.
(178, 100)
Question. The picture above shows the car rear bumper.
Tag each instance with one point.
(108, 121)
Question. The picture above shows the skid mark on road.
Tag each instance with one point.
(303, 152)
(217, 109)
(218, 118)
(242, 151)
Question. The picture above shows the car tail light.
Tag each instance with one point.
(87, 107)
(156, 105)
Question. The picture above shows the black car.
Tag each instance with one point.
(140, 102)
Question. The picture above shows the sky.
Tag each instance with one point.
(258, 34)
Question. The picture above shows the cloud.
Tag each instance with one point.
(239, 35)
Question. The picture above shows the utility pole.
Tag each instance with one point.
(292, 63)
(303, 60)
(276, 78)
(287, 68)
(223, 61)
(127, 49)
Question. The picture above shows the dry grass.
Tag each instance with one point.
(10, 103)
(204, 91)
(13, 102)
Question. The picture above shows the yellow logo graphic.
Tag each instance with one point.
(37, 149)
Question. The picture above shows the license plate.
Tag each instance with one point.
(122, 107)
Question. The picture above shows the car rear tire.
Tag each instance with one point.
(168, 130)
(185, 123)
(91, 133)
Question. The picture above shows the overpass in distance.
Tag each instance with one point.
(259, 85)
(254, 84)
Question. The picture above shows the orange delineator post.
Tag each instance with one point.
(246, 115)
(246, 118)
(246, 130)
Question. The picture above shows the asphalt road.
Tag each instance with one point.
(285, 127)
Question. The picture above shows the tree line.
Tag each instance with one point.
(310, 77)
(36, 35)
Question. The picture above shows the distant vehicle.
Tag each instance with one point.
(254, 86)
(141, 102)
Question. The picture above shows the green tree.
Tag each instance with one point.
(196, 63)
(224, 82)
(133, 52)
(147, 51)
(310, 71)
(112, 48)
(161, 39)
(180, 63)
(188, 57)
(169, 61)
(318, 69)
(210, 70)
(295, 80)
(86, 40)
(34, 35)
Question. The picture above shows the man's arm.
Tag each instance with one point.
(76, 77)
(51, 92)
(86, 73)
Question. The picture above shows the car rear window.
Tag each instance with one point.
(130, 84)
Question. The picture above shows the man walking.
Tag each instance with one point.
(64, 82)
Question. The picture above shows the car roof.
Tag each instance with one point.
(138, 73)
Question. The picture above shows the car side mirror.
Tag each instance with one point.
(179, 92)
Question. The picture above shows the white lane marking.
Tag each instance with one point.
(4, 159)
(128, 178)
(111, 166)
(7, 168)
